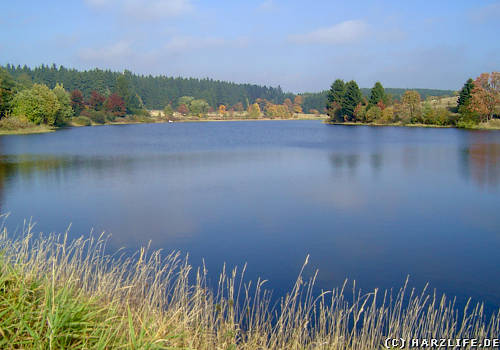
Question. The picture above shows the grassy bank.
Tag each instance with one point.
(56, 294)
(14, 126)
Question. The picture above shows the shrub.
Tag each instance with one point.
(14, 123)
(81, 120)
(98, 117)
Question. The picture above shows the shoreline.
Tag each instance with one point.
(28, 131)
(40, 129)
(481, 126)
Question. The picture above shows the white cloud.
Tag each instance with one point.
(180, 44)
(132, 55)
(185, 43)
(341, 33)
(145, 9)
(109, 54)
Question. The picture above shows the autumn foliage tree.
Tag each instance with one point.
(77, 102)
(277, 111)
(238, 107)
(115, 105)
(297, 102)
(485, 95)
(182, 109)
(222, 110)
(96, 101)
(410, 103)
(288, 103)
(254, 111)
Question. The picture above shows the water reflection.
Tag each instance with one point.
(480, 160)
(340, 161)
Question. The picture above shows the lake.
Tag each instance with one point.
(371, 204)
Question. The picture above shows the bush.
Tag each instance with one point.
(141, 112)
(14, 123)
(98, 117)
(81, 120)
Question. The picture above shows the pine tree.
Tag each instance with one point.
(336, 93)
(351, 99)
(335, 98)
(465, 94)
(377, 94)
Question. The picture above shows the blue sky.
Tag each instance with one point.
(302, 46)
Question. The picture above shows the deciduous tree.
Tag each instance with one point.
(222, 110)
(168, 110)
(411, 106)
(199, 107)
(254, 111)
(288, 103)
(96, 101)
(485, 95)
(39, 105)
(182, 109)
(65, 111)
(115, 105)
(77, 102)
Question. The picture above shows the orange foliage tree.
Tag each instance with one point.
(222, 110)
(485, 95)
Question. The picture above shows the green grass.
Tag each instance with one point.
(60, 294)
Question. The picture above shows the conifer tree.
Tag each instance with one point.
(377, 94)
(465, 93)
(351, 99)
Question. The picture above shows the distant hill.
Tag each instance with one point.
(157, 91)
(424, 93)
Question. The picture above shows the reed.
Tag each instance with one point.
(60, 294)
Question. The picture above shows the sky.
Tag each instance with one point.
(298, 45)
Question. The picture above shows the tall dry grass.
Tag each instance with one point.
(151, 301)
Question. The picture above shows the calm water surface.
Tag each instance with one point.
(367, 203)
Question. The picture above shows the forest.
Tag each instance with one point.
(156, 92)
(57, 96)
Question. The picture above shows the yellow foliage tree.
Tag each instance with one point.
(254, 111)
(222, 110)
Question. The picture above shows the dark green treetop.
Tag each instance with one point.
(377, 94)
(352, 98)
(466, 93)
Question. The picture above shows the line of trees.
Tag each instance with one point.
(37, 103)
(155, 92)
(261, 107)
(478, 101)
